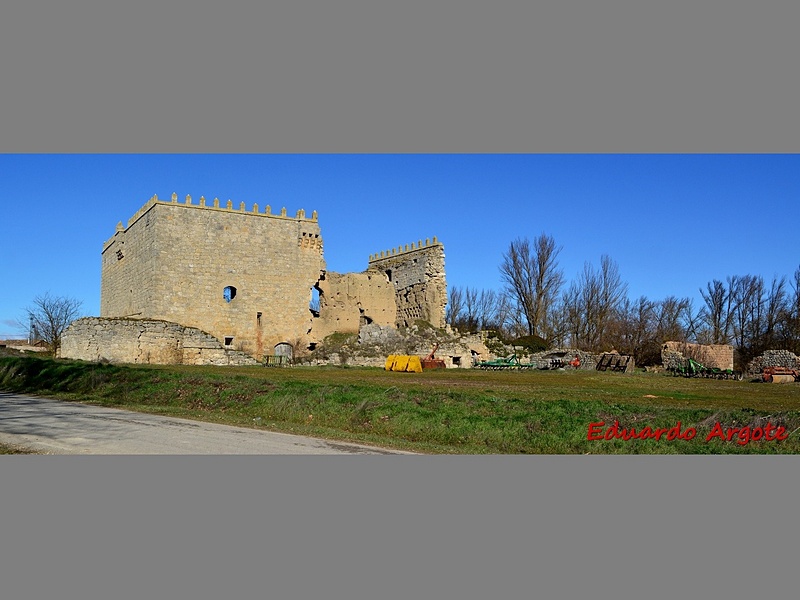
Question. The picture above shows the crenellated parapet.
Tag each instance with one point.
(416, 271)
(213, 205)
(228, 206)
(400, 250)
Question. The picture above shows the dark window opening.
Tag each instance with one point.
(229, 293)
(456, 361)
(389, 275)
(312, 346)
(229, 340)
(364, 320)
(258, 319)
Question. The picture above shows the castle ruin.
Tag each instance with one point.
(248, 277)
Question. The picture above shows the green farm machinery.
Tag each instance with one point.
(503, 364)
(692, 368)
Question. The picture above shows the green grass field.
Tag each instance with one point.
(452, 411)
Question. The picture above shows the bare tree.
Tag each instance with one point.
(789, 325)
(776, 304)
(718, 311)
(592, 304)
(532, 279)
(49, 316)
(489, 308)
(633, 331)
(758, 309)
(641, 327)
(470, 309)
(673, 319)
(470, 322)
(455, 306)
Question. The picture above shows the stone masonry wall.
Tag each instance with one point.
(145, 341)
(418, 276)
(348, 301)
(174, 260)
(374, 343)
(773, 358)
(714, 356)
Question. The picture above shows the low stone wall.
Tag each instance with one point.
(544, 359)
(773, 358)
(146, 341)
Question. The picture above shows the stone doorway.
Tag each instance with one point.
(285, 351)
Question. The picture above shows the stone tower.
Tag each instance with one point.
(244, 276)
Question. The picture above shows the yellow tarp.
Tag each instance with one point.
(400, 362)
(414, 364)
(403, 363)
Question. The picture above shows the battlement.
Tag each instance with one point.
(400, 250)
(215, 205)
(299, 216)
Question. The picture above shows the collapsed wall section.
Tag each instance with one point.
(773, 358)
(416, 273)
(349, 301)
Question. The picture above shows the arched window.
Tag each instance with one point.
(229, 293)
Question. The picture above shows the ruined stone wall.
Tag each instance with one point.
(145, 341)
(713, 356)
(773, 358)
(348, 301)
(374, 343)
(418, 276)
(175, 259)
(544, 359)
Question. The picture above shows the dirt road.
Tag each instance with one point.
(56, 427)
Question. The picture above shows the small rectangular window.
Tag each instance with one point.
(229, 340)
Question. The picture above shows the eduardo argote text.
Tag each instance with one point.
(741, 435)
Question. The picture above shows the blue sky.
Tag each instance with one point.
(671, 222)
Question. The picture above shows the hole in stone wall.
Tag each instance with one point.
(229, 340)
(457, 361)
(389, 274)
(229, 293)
(258, 319)
(313, 303)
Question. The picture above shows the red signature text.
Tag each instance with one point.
(741, 435)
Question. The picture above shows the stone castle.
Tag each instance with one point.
(250, 279)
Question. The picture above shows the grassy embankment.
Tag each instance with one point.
(453, 411)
